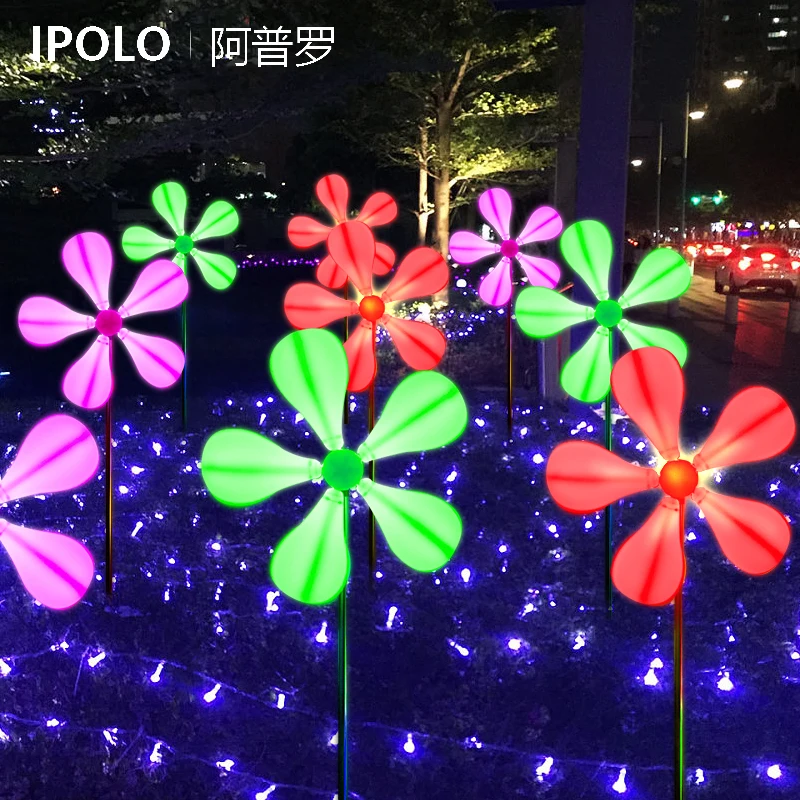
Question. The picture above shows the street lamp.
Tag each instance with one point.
(733, 83)
(694, 115)
(637, 162)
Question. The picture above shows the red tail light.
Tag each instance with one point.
(795, 264)
(745, 263)
(767, 256)
(726, 251)
(709, 251)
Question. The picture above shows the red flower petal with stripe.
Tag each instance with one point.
(360, 349)
(419, 344)
(308, 305)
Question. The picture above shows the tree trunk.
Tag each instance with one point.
(423, 212)
(441, 185)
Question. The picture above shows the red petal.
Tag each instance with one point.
(584, 477)
(419, 344)
(756, 424)
(648, 384)
(752, 535)
(379, 209)
(308, 305)
(304, 232)
(384, 259)
(352, 247)
(328, 274)
(333, 192)
(650, 566)
(360, 348)
(422, 272)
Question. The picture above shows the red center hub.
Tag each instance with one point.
(509, 248)
(109, 323)
(371, 308)
(678, 479)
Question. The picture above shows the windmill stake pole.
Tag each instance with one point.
(342, 751)
(678, 677)
(510, 387)
(373, 554)
(608, 516)
(109, 495)
(185, 383)
(346, 293)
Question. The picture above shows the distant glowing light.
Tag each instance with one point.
(409, 745)
(227, 764)
(514, 645)
(774, 771)
(725, 684)
(266, 793)
(459, 648)
(734, 83)
(156, 676)
(110, 735)
(580, 641)
(5, 668)
(619, 786)
(637, 162)
(155, 756)
(465, 575)
(544, 768)
(651, 679)
(271, 604)
(53, 722)
(538, 458)
(699, 777)
(391, 617)
(94, 660)
(281, 702)
(656, 663)
(695, 115)
(211, 695)
(322, 636)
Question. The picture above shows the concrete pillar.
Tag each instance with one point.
(793, 318)
(731, 310)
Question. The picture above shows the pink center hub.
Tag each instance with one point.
(109, 323)
(509, 248)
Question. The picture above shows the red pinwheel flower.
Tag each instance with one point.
(422, 272)
(650, 565)
(333, 192)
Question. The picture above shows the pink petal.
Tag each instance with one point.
(650, 565)
(543, 224)
(305, 232)
(88, 259)
(158, 360)
(308, 305)
(418, 343)
(43, 321)
(55, 569)
(496, 206)
(360, 349)
(333, 192)
(57, 454)
(539, 271)
(752, 535)
(384, 259)
(160, 286)
(379, 208)
(421, 273)
(330, 274)
(467, 247)
(88, 382)
(495, 287)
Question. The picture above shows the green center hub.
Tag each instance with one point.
(608, 313)
(184, 244)
(342, 470)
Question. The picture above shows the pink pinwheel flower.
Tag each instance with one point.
(160, 286)
(496, 207)
(59, 453)
(333, 192)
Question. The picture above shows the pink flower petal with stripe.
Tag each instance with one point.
(418, 343)
(543, 224)
(330, 274)
(158, 360)
(496, 206)
(305, 232)
(379, 208)
(333, 192)
(44, 320)
(467, 247)
(54, 568)
(384, 259)
(88, 259)
(495, 288)
(160, 286)
(59, 453)
(539, 271)
(360, 349)
(88, 382)
(650, 566)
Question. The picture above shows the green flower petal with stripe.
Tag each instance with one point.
(170, 201)
(663, 275)
(647, 336)
(543, 312)
(140, 243)
(217, 269)
(587, 374)
(588, 248)
(219, 219)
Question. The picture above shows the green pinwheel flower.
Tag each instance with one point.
(588, 248)
(312, 562)
(219, 219)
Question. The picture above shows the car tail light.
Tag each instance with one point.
(709, 251)
(745, 263)
(726, 251)
(795, 264)
(690, 248)
(767, 256)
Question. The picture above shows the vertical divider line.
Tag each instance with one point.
(373, 547)
(343, 750)
(109, 582)
(608, 516)
(677, 649)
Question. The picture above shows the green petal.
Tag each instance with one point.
(219, 219)
(180, 260)
(242, 468)
(425, 411)
(421, 530)
(587, 374)
(543, 312)
(309, 369)
(311, 563)
(647, 336)
(662, 275)
(218, 270)
(139, 243)
(588, 248)
(169, 200)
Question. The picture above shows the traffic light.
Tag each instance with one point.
(716, 199)
(696, 199)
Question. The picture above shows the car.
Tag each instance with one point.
(710, 254)
(752, 265)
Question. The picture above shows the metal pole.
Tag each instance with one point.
(685, 170)
(658, 180)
